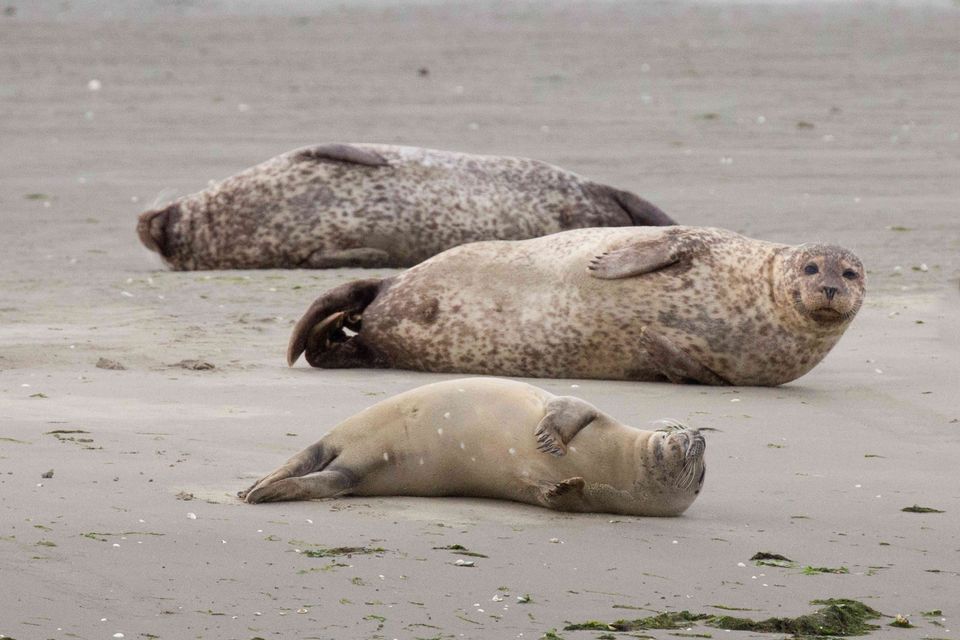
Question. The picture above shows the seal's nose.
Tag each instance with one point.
(830, 292)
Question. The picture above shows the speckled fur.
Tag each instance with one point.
(477, 437)
(367, 205)
(739, 307)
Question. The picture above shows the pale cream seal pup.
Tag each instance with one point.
(683, 304)
(374, 205)
(493, 438)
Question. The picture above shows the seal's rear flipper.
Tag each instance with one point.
(674, 363)
(641, 212)
(322, 324)
(325, 484)
(312, 459)
(564, 418)
(154, 228)
(339, 152)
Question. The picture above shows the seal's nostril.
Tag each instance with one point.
(830, 292)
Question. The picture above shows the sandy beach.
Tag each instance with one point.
(805, 122)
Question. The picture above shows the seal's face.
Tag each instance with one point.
(826, 283)
(678, 454)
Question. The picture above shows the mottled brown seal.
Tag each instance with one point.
(367, 205)
(493, 438)
(683, 304)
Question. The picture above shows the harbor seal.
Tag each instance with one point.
(679, 304)
(492, 438)
(371, 205)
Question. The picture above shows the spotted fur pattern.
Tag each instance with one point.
(366, 205)
(533, 308)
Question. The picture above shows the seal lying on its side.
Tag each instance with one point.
(683, 304)
(493, 438)
(365, 205)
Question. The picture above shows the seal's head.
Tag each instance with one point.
(674, 468)
(825, 284)
(156, 229)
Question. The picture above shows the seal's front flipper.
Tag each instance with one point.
(325, 484)
(566, 495)
(563, 419)
(674, 363)
(645, 256)
(360, 258)
(339, 152)
(322, 325)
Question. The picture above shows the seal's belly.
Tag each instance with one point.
(514, 309)
(478, 442)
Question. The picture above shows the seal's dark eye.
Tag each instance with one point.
(810, 269)
(849, 274)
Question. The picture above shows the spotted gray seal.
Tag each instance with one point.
(369, 205)
(492, 438)
(683, 304)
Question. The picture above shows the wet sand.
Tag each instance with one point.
(791, 123)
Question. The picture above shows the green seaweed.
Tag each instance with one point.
(329, 552)
(667, 620)
(932, 612)
(461, 550)
(768, 559)
(812, 571)
(918, 509)
(836, 617)
(102, 536)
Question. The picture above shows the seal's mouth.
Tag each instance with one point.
(827, 315)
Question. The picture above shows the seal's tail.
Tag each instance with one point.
(323, 323)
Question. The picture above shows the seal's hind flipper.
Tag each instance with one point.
(339, 152)
(563, 419)
(674, 363)
(325, 484)
(312, 459)
(348, 299)
(643, 257)
(641, 212)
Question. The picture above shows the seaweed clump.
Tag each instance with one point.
(836, 617)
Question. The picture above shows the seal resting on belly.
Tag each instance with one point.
(370, 205)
